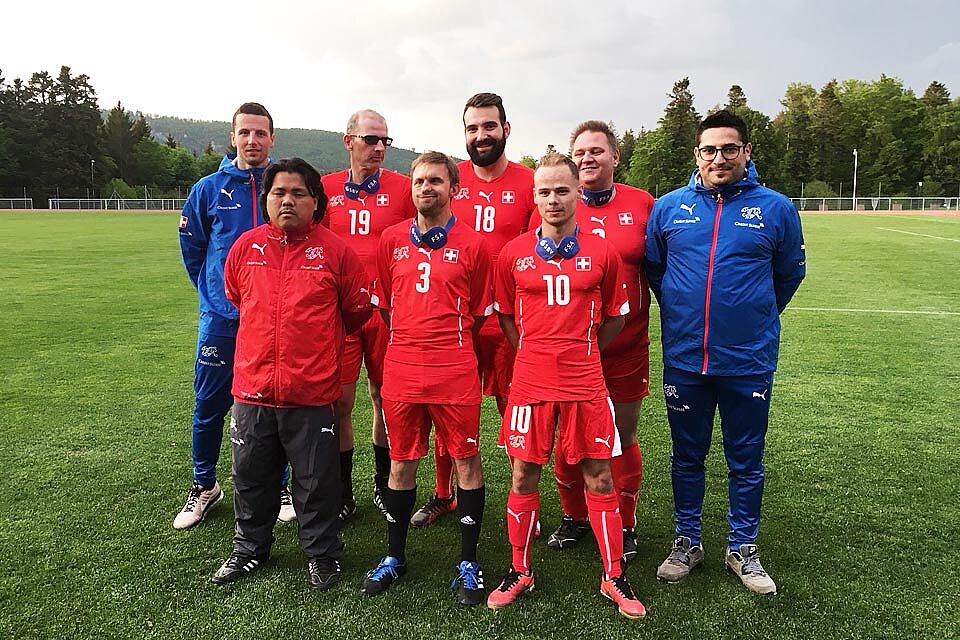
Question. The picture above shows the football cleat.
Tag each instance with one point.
(323, 572)
(629, 545)
(469, 584)
(568, 534)
(619, 591)
(513, 585)
(237, 566)
(379, 579)
(287, 512)
(433, 509)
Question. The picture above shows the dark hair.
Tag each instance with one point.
(724, 118)
(435, 157)
(311, 178)
(554, 159)
(487, 100)
(595, 126)
(251, 109)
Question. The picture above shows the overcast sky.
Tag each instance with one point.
(416, 61)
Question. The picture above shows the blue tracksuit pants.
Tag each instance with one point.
(692, 400)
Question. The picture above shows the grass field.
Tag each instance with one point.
(861, 516)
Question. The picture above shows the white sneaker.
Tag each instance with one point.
(746, 564)
(683, 558)
(199, 503)
(287, 512)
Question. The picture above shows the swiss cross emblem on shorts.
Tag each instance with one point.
(383, 199)
(508, 197)
(582, 263)
(183, 222)
(626, 218)
(451, 255)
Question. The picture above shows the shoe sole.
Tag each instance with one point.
(759, 593)
(206, 512)
(625, 614)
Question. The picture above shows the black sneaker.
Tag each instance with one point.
(237, 566)
(348, 510)
(469, 584)
(568, 534)
(629, 545)
(379, 579)
(323, 572)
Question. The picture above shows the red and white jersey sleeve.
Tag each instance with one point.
(432, 297)
(500, 209)
(623, 222)
(558, 305)
(360, 222)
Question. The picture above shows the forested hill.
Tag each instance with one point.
(323, 149)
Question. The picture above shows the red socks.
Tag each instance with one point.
(627, 470)
(523, 512)
(570, 487)
(608, 529)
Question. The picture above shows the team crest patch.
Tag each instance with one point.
(337, 201)
(626, 218)
(463, 194)
(383, 199)
(518, 442)
(183, 222)
(312, 253)
(451, 255)
(525, 263)
(508, 197)
(401, 253)
(583, 263)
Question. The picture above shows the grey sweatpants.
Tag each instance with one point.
(263, 440)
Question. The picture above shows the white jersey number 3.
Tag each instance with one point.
(558, 289)
(423, 285)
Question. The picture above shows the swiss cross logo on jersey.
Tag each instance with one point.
(336, 201)
(626, 218)
(183, 222)
(508, 197)
(583, 263)
(383, 199)
(451, 255)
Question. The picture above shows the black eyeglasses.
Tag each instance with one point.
(372, 140)
(728, 151)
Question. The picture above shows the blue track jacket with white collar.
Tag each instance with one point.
(220, 207)
(723, 266)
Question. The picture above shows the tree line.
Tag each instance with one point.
(54, 141)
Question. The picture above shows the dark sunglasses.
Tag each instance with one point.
(372, 140)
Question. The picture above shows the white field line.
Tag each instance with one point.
(910, 312)
(924, 235)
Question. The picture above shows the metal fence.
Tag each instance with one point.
(16, 203)
(878, 204)
(117, 204)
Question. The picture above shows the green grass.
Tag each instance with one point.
(861, 516)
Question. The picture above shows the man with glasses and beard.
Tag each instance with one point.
(364, 200)
(724, 256)
(496, 199)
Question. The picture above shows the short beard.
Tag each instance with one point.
(488, 157)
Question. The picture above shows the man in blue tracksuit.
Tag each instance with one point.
(220, 207)
(724, 255)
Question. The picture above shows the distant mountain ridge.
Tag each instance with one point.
(323, 149)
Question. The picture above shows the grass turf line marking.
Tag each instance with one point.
(893, 311)
(911, 233)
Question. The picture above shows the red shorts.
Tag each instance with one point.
(584, 429)
(495, 359)
(408, 428)
(627, 374)
(368, 345)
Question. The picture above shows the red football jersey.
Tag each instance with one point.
(432, 297)
(499, 209)
(558, 306)
(360, 222)
(623, 221)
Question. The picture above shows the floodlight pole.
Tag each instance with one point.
(855, 158)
